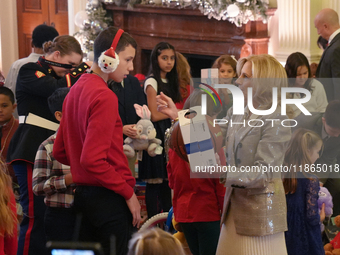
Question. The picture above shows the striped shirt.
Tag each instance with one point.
(49, 177)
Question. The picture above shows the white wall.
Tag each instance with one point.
(8, 34)
(73, 7)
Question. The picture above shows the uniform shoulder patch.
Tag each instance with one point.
(39, 74)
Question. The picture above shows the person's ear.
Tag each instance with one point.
(14, 106)
(56, 55)
(58, 115)
(325, 25)
(323, 121)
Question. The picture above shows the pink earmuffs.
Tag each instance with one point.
(109, 59)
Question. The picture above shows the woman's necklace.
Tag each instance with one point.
(9, 132)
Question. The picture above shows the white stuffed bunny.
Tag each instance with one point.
(146, 133)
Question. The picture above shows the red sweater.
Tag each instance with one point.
(195, 199)
(90, 137)
(9, 244)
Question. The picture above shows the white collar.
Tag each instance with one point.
(333, 35)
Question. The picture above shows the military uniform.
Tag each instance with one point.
(35, 83)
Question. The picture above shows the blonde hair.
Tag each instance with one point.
(154, 242)
(183, 72)
(297, 154)
(268, 73)
(8, 219)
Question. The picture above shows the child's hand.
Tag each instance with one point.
(322, 213)
(68, 179)
(130, 131)
(134, 208)
(166, 106)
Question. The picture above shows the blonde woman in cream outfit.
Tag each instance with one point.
(254, 214)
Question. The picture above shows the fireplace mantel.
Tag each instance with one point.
(189, 31)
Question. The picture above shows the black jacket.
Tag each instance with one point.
(35, 83)
(131, 94)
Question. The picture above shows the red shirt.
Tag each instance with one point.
(336, 242)
(90, 137)
(9, 244)
(189, 90)
(195, 199)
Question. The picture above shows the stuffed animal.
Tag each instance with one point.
(146, 133)
(325, 198)
(333, 248)
(180, 236)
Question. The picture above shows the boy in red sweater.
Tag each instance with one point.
(90, 141)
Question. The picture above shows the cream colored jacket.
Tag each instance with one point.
(257, 198)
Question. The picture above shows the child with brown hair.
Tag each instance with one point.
(90, 139)
(302, 188)
(226, 66)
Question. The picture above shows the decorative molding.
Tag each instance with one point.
(297, 32)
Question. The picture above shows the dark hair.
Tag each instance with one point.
(323, 42)
(294, 61)
(42, 34)
(105, 38)
(171, 89)
(65, 44)
(331, 115)
(56, 100)
(7, 92)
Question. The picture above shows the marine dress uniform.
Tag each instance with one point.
(36, 82)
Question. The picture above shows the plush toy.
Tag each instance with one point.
(325, 198)
(333, 248)
(146, 133)
(180, 236)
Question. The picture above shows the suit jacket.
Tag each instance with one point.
(257, 198)
(36, 82)
(131, 94)
(329, 67)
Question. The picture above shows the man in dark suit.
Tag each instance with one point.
(328, 72)
(129, 92)
(327, 125)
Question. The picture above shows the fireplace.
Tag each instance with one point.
(198, 38)
(196, 62)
